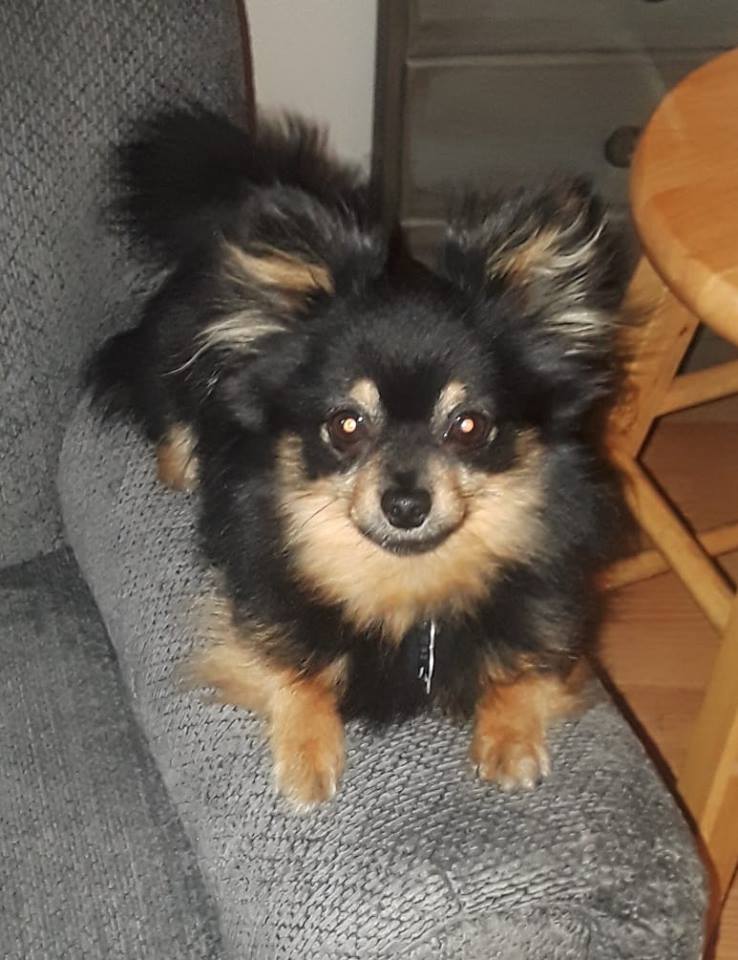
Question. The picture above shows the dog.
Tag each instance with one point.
(399, 476)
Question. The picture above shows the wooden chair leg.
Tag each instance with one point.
(686, 556)
(708, 781)
(691, 389)
(656, 348)
(650, 563)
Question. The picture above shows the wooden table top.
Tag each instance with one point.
(684, 192)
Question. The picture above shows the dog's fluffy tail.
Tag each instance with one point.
(186, 171)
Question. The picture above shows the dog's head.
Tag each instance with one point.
(411, 423)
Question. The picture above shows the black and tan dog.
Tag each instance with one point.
(398, 479)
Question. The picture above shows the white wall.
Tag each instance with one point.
(316, 57)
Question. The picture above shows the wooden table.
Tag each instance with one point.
(684, 199)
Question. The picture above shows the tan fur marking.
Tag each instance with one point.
(231, 662)
(305, 727)
(542, 256)
(287, 277)
(286, 272)
(176, 462)
(365, 393)
(451, 490)
(512, 719)
(451, 397)
(391, 592)
(536, 254)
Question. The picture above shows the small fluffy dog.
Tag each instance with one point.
(399, 478)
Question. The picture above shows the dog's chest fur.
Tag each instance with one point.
(435, 664)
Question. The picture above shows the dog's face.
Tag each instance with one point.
(410, 427)
(397, 414)
(403, 477)
(407, 456)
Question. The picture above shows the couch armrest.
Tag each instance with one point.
(415, 858)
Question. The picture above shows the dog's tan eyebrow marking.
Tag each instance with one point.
(452, 395)
(365, 393)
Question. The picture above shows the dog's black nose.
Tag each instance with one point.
(406, 508)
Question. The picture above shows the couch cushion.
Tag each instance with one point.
(414, 858)
(93, 860)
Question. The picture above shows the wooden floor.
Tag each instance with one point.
(657, 647)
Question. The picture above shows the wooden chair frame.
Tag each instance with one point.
(708, 779)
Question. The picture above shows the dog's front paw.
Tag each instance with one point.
(512, 759)
(308, 762)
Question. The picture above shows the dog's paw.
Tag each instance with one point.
(308, 763)
(512, 760)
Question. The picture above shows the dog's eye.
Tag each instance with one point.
(346, 429)
(469, 429)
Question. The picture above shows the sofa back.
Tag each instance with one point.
(72, 77)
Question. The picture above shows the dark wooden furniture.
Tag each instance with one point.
(495, 92)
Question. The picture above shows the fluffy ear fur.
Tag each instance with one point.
(288, 253)
(546, 273)
(289, 257)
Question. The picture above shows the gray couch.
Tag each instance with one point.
(136, 821)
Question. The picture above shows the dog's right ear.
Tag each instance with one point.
(290, 254)
(291, 258)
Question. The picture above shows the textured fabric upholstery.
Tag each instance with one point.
(415, 858)
(71, 76)
(94, 864)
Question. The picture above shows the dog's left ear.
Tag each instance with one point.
(546, 273)
(551, 249)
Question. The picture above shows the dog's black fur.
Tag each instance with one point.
(523, 313)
